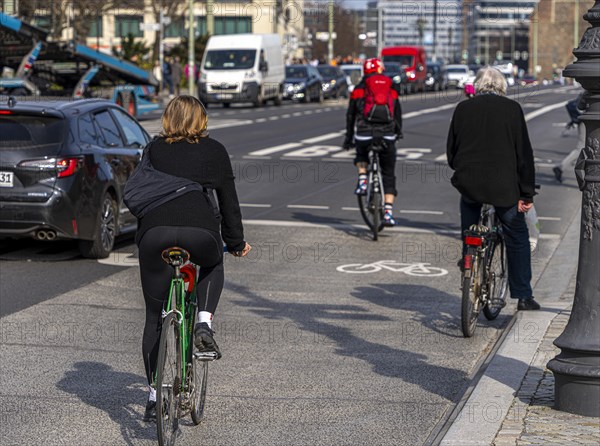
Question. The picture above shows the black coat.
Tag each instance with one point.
(489, 149)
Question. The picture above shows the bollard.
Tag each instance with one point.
(577, 367)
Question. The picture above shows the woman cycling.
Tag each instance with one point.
(184, 149)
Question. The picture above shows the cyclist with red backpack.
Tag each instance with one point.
(375, 109)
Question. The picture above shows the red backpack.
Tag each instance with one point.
(379, 99)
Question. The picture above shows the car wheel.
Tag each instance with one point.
(259, 99)
(226, 104)
(278, 99)
(105, 232)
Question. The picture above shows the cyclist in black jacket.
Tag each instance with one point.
(361, 112)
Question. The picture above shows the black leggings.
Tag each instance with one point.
(387, 161)
(206, 250)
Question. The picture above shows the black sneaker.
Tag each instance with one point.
(203, 339)
(150, 413)
(528, 304)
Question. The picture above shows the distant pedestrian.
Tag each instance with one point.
(167, 78)
(575, 107)
(158, 74)
(176, 74)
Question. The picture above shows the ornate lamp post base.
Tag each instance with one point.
(577, 368)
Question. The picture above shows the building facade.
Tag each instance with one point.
(433, 24)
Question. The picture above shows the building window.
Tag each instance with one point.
(176, 28)
(128, 24)
(233, 25)
(95, 28)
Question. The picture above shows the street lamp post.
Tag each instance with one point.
(330, 41)
(577, 367)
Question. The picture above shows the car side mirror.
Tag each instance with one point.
(263, 66)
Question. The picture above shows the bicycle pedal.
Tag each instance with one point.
(206, 356)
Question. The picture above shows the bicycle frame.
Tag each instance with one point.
(184, 305)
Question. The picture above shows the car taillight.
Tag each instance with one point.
(473, 241)
(5, 112)
(64, 167)
(67, 167)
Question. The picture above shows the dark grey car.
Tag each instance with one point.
(63, 167)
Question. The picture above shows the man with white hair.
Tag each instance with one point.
(489, 150)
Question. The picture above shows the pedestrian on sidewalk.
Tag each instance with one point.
(167, 78)
(576, 108)
(158, 74)
(176, 74)
(489, 150)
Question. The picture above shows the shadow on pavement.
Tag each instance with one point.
(119, 394)
(384, 360)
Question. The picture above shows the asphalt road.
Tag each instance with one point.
(313, 353)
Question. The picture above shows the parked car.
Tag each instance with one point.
(303, 83)
(63, 168)
(399, 78)
(458, 75)
(354, 73)
(334, 81)
(437, 78)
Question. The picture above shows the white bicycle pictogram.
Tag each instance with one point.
(412, 269)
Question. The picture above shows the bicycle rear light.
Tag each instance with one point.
(468, 261)
(473, 241)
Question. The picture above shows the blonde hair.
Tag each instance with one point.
(490, 80)
(184, 119)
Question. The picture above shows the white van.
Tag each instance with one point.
(242, 68)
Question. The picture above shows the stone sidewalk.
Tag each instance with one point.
(531, 419)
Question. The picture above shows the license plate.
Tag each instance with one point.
(6, 179)
(225, 96)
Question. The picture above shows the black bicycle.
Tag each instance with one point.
(484, 271)
(371, 204)
(182, 371)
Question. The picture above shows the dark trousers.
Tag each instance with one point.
(387, 161)
(516, 237)
(206, 250)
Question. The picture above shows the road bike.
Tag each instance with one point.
(182, 371)
(484, 271)
(371, 204)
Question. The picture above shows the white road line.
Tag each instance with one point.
(550, 218)
(307, 112)
(442, 157)
(275, 149)
(410, 211)
(427, 110)
(261, 120)
(232, 123)
(546, 109)
(273, 118)
(322, 137)
(306, 206)
(350, 209)
(297, 114)
(254, 205)
(287, 115)
(250, 157)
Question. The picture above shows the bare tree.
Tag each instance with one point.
(169, 8)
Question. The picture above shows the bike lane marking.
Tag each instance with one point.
(418, 269)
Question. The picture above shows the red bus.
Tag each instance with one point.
(414, 61)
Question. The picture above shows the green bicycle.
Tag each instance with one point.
(182, 371)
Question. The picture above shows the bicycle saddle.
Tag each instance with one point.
(175, 256)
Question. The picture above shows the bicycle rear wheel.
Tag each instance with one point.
(199, 391)
(497, 281)
(168, 382)
(470, 297)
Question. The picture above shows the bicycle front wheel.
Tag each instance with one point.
(470, 297)
(168, 382)
(199, 390)
(371, 209)
(497, 281)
